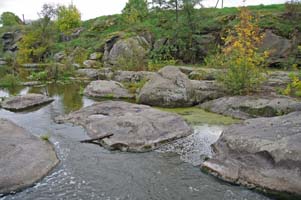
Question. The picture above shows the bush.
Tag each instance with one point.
(294, 87)
(9, 80)
(241, 57)
(293, 9)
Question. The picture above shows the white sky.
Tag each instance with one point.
(95, 8)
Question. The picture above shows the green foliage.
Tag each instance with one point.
(9, 80)
(68, 18)
(294, 87)
(293, 9)
(46, 138)
(37, 43)
(135, 11)
(134, 86)
(39, 76)
(10, 19)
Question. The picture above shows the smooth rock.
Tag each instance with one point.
(136, 128)
(168, 88)
(90, 73)
(24, 158)
(95, 56)
(107, 89)
(132, 76)
(262, 153)
(19, 103)
(90, 63)
(245, 107)
(206, 91)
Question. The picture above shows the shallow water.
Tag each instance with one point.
(88, 171)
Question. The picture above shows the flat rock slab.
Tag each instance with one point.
(245, 107)
(19, 103)
(24, 158)
(136, 128)
(107, 89)
(262, 153)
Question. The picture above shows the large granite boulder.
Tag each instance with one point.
(262, 153)
(107, 89)
(119, 51)
(168, 88)
(28, 101)
(279, 47)
(136, 128)
(24, 158)
(245, 107)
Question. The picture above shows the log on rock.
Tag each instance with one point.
(92, 140)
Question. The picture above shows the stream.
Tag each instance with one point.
(88, 171)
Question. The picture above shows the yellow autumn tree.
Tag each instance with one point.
(241, 56)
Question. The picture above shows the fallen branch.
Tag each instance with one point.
(98, 138)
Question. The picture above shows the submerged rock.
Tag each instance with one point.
(107, 89)
(168, 88)
(24, 158)
(245, 107)
(263, 153)
(19, 103)
(136, 128)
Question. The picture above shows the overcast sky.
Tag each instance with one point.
(94, 8)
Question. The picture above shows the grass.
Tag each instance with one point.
(197, 116)
(46, 138)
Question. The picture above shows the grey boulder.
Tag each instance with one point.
(206, 91)
(136, 128)
(89, 73)
(24, 158)
(245, 107)
(107, 89)
(19, 103)
(168, 88)
(262, 153)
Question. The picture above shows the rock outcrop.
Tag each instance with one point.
(10, 40)
(263, 153)
(19, 103)
(168, 88)
(119, 51)
(135, 128)
(245, 107)
(24, 158)
(107, 89)
(206, 91)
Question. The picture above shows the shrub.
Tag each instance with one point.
(294, 87)
(293, 8)
(241, 57)
(68, 18)
(9, 80)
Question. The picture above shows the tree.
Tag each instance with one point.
(241, 57)
(68, 18)
(36, 43)
(10, 19)
(135, 11)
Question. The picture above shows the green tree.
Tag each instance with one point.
(68, 18)
(36, 44)
(135, 11)
(10, 19)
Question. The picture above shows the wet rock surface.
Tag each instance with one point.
(136, 128)
(245, 107)
(24, 158)
(168, 88)
(263, 153)
(107, 89)
(23, 102)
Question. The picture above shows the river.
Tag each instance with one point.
(88, 171)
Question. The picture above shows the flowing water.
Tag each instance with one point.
(88, 171)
